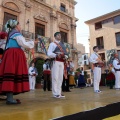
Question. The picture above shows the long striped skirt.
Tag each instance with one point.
(14, 72)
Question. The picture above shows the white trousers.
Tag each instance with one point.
(117, 79)
(97, 77)
(32, 81)
(57, 77)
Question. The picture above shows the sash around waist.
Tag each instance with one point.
(46, 72)
(59, 59)
(117, 69)
(98, 65)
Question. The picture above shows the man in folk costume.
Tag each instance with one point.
(13, 69)
(96, 67)
(47, 75)
(57, 51)
(32, 76)
(116, 65)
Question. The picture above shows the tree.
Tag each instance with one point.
(39, 66)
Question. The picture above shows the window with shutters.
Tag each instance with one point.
(100, 42)
(39, 29)
(117, 35)
(98, 25)
(62, 7)
(63, 36)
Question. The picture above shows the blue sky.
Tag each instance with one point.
(88, 9)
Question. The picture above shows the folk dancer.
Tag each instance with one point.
(81, 79)
(32, 76)
(57, 51)
(13, 69)
(96, 67)
(3, 38)
(47, 75)
(65, 84)
(116, 65)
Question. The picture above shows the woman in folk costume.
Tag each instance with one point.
(71, 73)
(71, 78)
(3, 38)
(81, 80)
(13, 69)
(110, 76)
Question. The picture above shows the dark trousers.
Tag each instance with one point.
(65, 84)
(47, 82)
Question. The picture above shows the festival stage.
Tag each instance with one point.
(40, 105)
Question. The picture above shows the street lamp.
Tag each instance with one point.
(28, 24)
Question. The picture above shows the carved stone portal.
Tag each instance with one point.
(64, 26)
(11, 5)
(40, 17)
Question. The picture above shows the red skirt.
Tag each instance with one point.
(14, 72)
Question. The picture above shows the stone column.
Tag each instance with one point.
(73, 41)
(53, 18)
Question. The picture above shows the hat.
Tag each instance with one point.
(11, 24)
(56, 34)
(47, 59)
(3, 35)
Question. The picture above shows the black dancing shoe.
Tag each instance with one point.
(13, 102)
(68, 91)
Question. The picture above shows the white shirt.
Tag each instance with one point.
(71, 65)
(2, 44)
(115, 62)
(51, 48)
(32, 71)
(45, 67)
(23, 43)
(93, 58)
(73, 73)
(82, 73)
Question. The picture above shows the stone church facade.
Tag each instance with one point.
(42, 17)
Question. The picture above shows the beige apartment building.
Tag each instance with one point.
(105, 33)
(44, 18)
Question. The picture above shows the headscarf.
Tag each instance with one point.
(11, 24)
